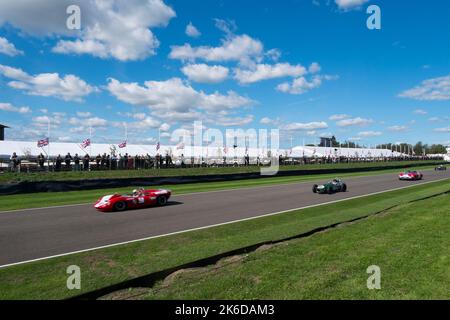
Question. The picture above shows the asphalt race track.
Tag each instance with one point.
(33, 234)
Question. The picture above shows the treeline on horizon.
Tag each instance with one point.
(418, 149)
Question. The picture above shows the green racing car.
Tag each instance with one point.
(336, 185)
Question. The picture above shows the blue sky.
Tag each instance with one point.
(308, 67)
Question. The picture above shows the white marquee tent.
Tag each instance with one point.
(23, 148)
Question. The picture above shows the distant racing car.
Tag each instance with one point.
(336, 185)
(440, 168)
(410, 175)
(140, 198)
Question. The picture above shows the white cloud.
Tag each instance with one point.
(94, 122)
(368, 134)
(305, 126)
(398, 128)
(274, 54)
(65, 139)
(439, 119)
(10, 108)
(79, 130)
(203, 73)
(44, 120)
(38, 18)
(227, 26)
(314, 68)
(192, 31)
(265, 120)
(447, 129)
(8, 48)
(266, 71)
(300, 85)
(231, 121)
(337, 117)
(145, 124)
(242, 48)
(175, 100)
(114, 28)
(269, 121)
(350, 4)
(164, 127)
(420, 112)
(68, 88)
(175, 116)
(137, 116)
(84, 114)
(434, 89)
(354, 122)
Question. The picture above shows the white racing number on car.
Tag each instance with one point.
(104, 201)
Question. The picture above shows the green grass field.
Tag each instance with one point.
(46, 199)
(46, 279)
(410, 244)
(8, 177)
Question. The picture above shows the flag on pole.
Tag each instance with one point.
(158, 146)
(43, 143)
(86, 143)
(225, 150)
(123, 145)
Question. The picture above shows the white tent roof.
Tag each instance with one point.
(25, 147)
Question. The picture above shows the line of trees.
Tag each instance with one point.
(418, 149)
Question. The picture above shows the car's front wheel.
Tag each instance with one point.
(162, 201)
(120, 206)
(344, 188)
(314, 189)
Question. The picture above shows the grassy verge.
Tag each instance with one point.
(47, 279)
(409, 243)
(70, 175)
(46, 199)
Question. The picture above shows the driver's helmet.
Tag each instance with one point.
(138, 191)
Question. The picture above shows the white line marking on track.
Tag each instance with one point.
(216, 225)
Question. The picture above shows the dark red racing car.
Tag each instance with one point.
(140, 198)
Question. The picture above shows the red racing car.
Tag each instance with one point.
(139, 199)
(410, 175)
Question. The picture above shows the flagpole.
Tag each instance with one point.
(126, 138)
(90, 141)
(207, 147)
(159, 140)
(48, 145)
